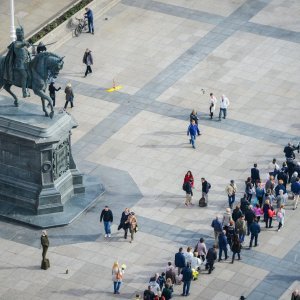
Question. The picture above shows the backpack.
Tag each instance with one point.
(184, 186)
(208, 186)
(202, 202)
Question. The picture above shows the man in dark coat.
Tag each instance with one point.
(123, 224)
(244, 204)
(179, 260)
(255, 230)
(205, 189)
(88, 61)
(210, 258)
(222, 245)
(187, 276)
(255, 175)
(249, 217)
(107, 217)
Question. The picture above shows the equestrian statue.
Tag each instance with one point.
(19, 69)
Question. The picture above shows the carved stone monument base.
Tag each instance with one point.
(38, 174)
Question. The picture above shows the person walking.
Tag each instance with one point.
(132, 223)
(123, 224)
(44, 244)
(179, 260)
(211, 258)
(88, 61)
(188, 188)
(201, 249)
(295, 187)
(69, 95)
(212, 105)
(187, 276)
(280, 216)
(273, 168)
(222, 245)
(236, 248)
(236, 213)
(217, 226)
(52, 89)
(240, 226)
(260, 193)
(205, 189)
(267, 209)
(117, 277)
(280, 199)
(192, 131)
(255, 230)
(194, 116)
(224, 103)
(255, 177)
(89, 16)
(231, 190)
(249, 189)
(226, 218)
(107, 217)
(257, 211)
(230, 232)
(188, 177)
(249, 217)
(280, 186)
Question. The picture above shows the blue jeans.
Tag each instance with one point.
(220, 252)
(192, 140)
(107, 227)
(231, 200)
(91, 25)
(224, 111)
(117, 285)
(186, 287)
(241, 237)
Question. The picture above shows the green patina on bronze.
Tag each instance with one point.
(19, 69)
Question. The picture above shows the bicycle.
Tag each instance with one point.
(82, 25)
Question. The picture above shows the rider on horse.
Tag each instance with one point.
(17, 60)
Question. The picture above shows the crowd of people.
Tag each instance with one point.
(263, 201)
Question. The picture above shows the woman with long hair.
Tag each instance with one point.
(117, 277)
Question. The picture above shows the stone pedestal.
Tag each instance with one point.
(38, 174)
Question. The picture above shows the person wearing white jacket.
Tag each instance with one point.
(224, 103)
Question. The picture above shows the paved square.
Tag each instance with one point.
(164, 54)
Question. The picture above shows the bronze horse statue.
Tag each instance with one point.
(43, 66)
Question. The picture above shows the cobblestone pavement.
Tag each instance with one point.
(164, 54)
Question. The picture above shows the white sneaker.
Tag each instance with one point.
(105, 235)
(109, 235)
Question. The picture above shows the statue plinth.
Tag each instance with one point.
(38, 174)
(37, 170)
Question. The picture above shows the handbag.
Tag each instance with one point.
(119, 275)
(136, 228)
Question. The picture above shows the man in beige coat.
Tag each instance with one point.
(231, 190)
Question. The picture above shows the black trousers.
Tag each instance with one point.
(53, 99)
(88, 70)
(66, 104)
